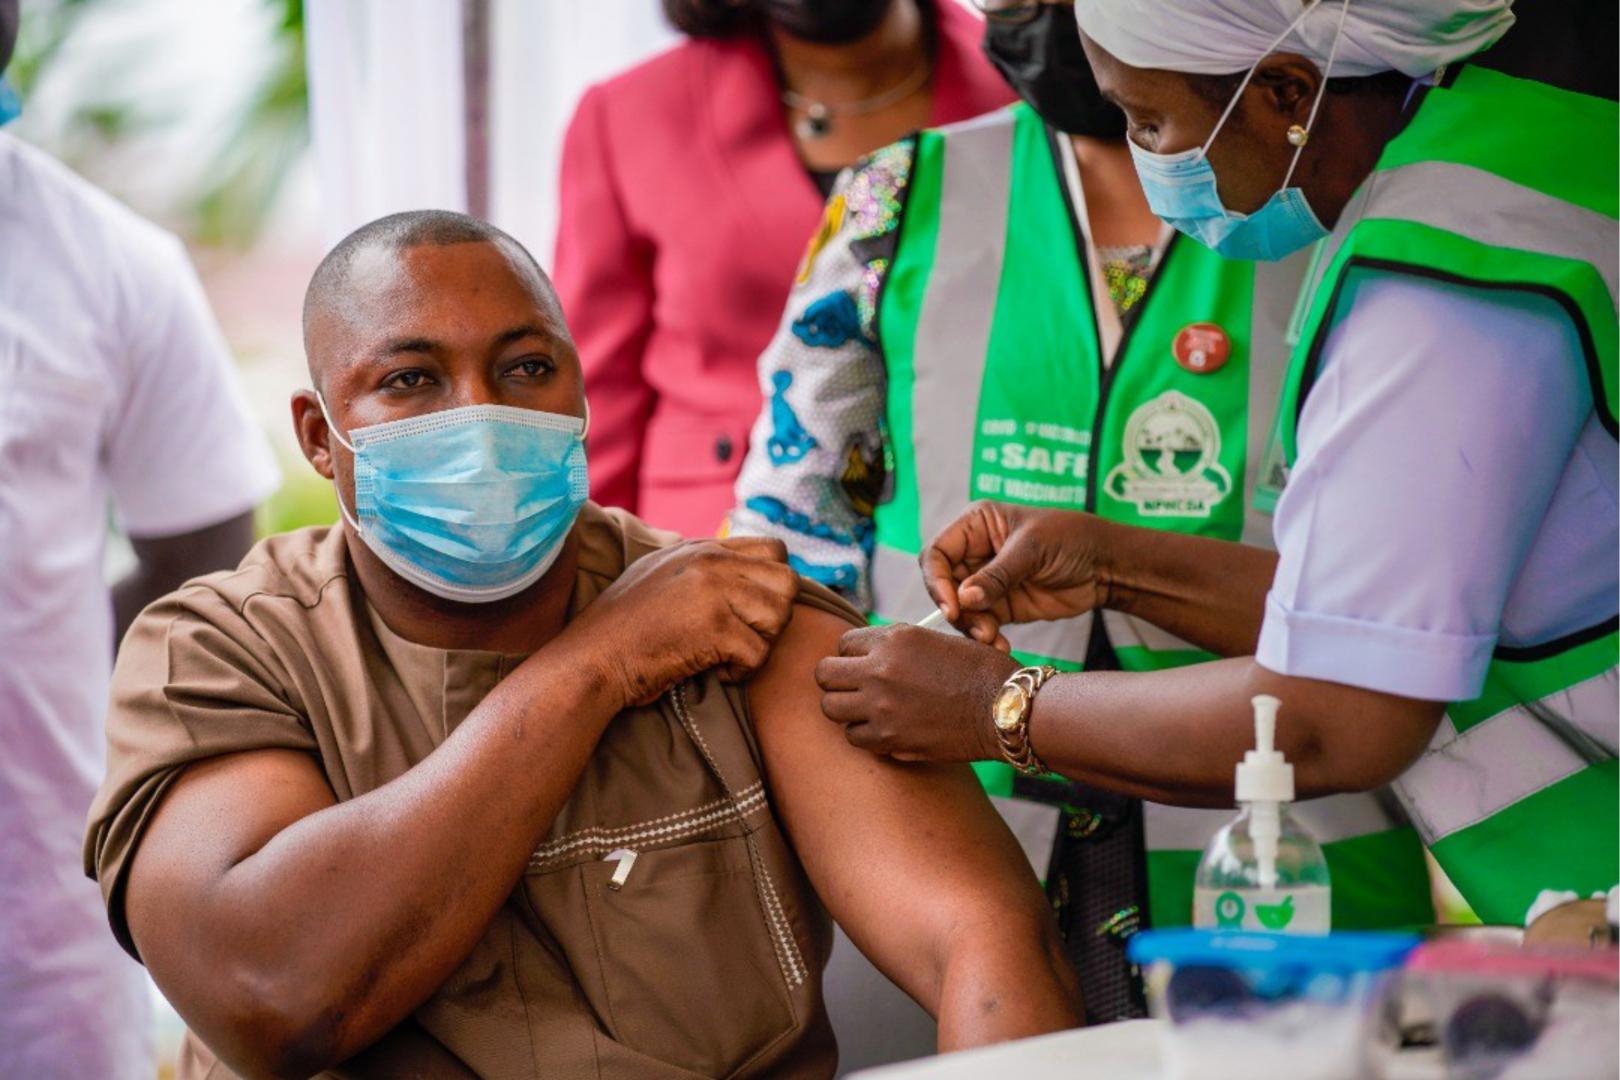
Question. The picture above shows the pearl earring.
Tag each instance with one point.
(1298, 136)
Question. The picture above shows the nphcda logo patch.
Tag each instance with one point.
(1171, 466)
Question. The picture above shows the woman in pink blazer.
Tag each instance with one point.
(690, 185)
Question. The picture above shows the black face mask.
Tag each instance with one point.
(1044, 61)
(8, 32)
(826, 22)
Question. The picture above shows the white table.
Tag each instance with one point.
(1124, 1051)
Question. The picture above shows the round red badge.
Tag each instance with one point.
(1201, 348)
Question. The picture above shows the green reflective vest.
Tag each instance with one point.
(998, 389)
(1502, 183)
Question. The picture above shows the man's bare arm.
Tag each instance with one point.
(912, 861)
(291, 930)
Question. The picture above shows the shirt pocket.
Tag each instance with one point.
(679, 961)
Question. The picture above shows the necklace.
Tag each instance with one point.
(819, 115)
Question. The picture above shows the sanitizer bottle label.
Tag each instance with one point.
(1305, 910)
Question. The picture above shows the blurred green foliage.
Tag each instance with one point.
(44, 27)
(240, 178)
(305, 498)
(270, 136)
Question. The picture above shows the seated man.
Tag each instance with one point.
(487, 782)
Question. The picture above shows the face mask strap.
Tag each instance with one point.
(344, 511)
(1248, 75)
(1310, 121)
(353, 524)
(333, 428)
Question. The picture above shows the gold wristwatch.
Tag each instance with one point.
(1010, 714)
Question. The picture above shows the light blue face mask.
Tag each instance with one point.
(1181, 188)
(472, 504)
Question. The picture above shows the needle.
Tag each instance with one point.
(933, 619)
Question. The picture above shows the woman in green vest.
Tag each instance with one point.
(993, 310)
(1441, 611)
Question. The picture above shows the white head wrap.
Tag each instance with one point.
(1218, 37)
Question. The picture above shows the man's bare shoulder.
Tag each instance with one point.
(820, 618)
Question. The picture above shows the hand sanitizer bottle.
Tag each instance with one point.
(1263, 871)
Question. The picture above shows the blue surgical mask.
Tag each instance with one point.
(10, 103)
(1181, 189)
(471, 504)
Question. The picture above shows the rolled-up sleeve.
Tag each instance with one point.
(194, 681)
(1430, 447)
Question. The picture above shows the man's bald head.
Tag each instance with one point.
(346, 286)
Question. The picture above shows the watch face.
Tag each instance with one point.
(1009, 708)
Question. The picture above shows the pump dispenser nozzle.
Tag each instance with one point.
(1265, 775)
(1263, 871)
(1264, 781)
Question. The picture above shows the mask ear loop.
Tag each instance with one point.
(1249, 75)
(338, 435)
(1310, 121)
(333, 428)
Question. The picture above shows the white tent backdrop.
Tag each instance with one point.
(545, 55)
(389, 108)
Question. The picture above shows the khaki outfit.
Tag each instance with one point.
(706, 962)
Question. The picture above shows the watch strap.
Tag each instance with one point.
(1015, 744)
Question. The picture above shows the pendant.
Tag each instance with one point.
(816, 123)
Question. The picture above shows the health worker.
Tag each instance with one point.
(959, 279)
(1441, 610)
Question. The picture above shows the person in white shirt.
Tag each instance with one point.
(115, 385)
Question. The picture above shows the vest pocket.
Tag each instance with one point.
(687, 968)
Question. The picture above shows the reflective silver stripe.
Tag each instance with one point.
(952, 339)
(1328, 819)
(897, 586)
(1591, 707)
(1462, 779)
(1327, 252)
(1180, 828)
(1482, 206)
(953, 326)
(1127, 631)
(1485, 207)
(1276, 289)
(1063, 639)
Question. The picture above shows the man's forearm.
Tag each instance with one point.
(1209, 592)
(1174, 736)
(1006, 980)
(364, 908)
